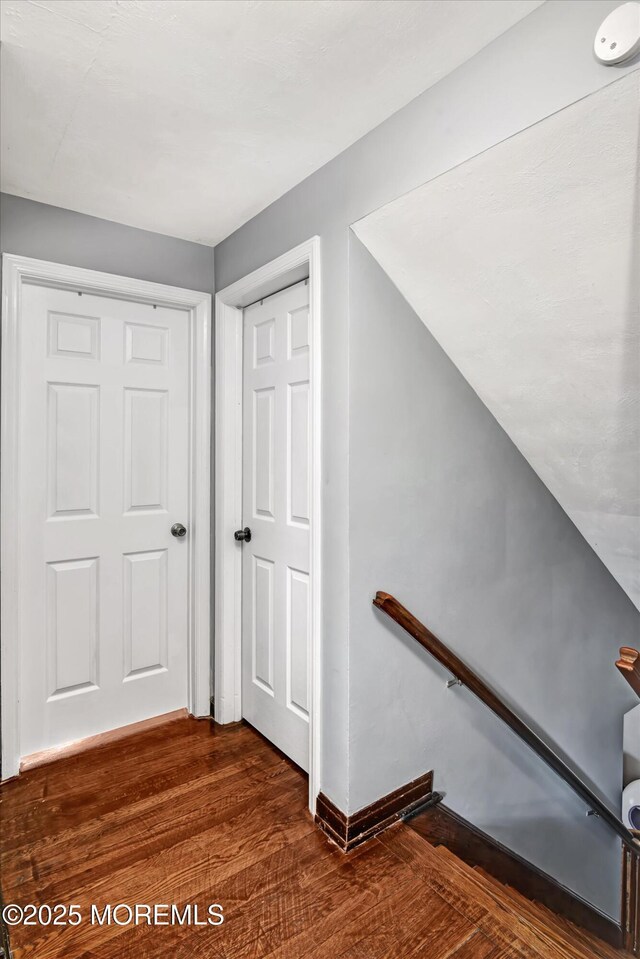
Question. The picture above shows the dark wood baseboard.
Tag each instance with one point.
(350, 831)
(631, 901)
(442, 827)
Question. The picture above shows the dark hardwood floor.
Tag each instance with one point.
(192, 813)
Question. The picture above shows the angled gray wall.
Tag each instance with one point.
(538, 67)
(447, 515)
(50, 233)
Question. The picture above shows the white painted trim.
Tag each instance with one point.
(291, 266)
(17, 270)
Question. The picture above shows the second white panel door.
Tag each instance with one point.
(275, 502)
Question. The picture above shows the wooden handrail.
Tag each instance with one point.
(629, 666)
(389, 605)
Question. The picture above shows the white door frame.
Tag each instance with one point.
(297, 264)
(16, 271)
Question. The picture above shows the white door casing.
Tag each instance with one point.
(275, 506)
(103, 426)
(298, 263)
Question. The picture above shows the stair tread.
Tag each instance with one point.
(546, 926)
(536, 911)
(545, 915)
(545, 920)
(492, 918)
(502, 913)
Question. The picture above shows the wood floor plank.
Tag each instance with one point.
(239, 892)
(478, 946)
(121, 837)
(65, 815)
(375, 931)
(100, 761)
(185, 870)
(304, 906)
(113, 784)
(199, 814)
(314, 914)
(504, 952)
(98, 769)
(438, 938)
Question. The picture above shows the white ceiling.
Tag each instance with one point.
(188, 117)
(524, 263)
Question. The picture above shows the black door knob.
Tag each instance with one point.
(242, 535)
(178, 530)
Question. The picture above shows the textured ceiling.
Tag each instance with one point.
(190, 116)
(524, 263)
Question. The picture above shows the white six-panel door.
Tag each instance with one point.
(104, 450)
(276, 500)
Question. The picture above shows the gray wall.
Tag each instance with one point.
(61, 236)
(453, 521)
(373, 681)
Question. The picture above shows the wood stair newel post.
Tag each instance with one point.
(629, 666)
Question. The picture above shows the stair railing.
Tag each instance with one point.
(467, 677)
